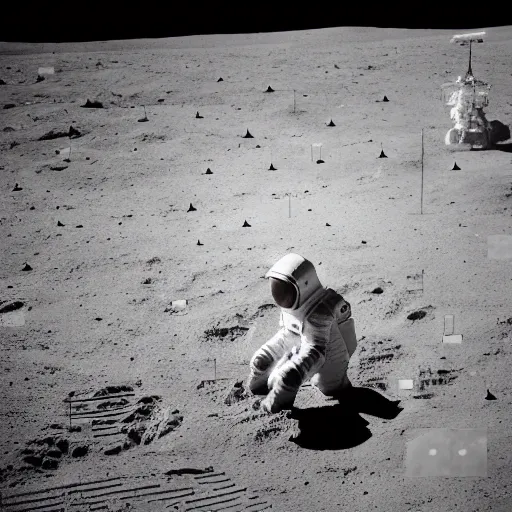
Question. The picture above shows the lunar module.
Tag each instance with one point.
(468, 96)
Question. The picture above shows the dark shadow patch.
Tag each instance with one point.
(189, 471)
(340, 427)
(507, 148)
(92, 104)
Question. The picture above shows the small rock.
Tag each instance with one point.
(114, 450)
(80, 451)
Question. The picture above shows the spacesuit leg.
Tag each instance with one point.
(266, 358)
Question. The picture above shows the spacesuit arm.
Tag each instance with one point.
(286, 380)
(265, 360)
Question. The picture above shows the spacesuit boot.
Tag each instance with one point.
(315, 341)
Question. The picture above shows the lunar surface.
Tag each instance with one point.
(148, 186)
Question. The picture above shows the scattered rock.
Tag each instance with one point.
(223, 332)
(208, 171)
(382, 154)
(272, 168)
(9, 105)
(269, 89)
(73, 133)
(59, 223)
(378, 290)
(490, 396)
(385, 99)
(246, 225)
(9, 129)
(237, 393)
(92, 104)
(327, 224)
(455, 167)
(80, 451)
(198, 116)
(53, 134)
(191, 208)
(331, 123)
(147, 280)
(248, 135)
(11, 306)
(17, 188)
(199, 242)
(58, 167)
(114, 450)
(113, 390)
(162, 423)
(2, 82)
(26, 268)
(417, 315)
(220, 79)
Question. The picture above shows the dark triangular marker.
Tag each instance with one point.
(385, 98)
(490, 396)
(191, 208)
(320, 161)
(272, 168)
(269, 89)
(60, 224)
(26, 268)
(209, 171)
(220, 79)
(198, 116)
(331, 123)
(327, 224)
(16, 188)
(382, 154)
(455, 167)
(199, 243)
(248, 135)
(246, 224)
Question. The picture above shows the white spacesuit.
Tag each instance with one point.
(315, 341)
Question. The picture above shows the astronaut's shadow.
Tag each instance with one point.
(339, 426)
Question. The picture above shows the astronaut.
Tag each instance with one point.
(314, 343)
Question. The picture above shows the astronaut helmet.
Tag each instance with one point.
(293, 280)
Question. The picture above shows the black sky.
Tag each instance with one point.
(88, 21)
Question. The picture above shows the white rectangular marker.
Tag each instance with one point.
(499, 247)
(405, 384)
(179, 304)
(46, 71)
(12, 319)
(449, 324)
(453, 338)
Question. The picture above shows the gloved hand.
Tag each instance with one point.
(273, 403)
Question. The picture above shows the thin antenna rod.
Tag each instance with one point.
(422, 153)
(470, 70)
